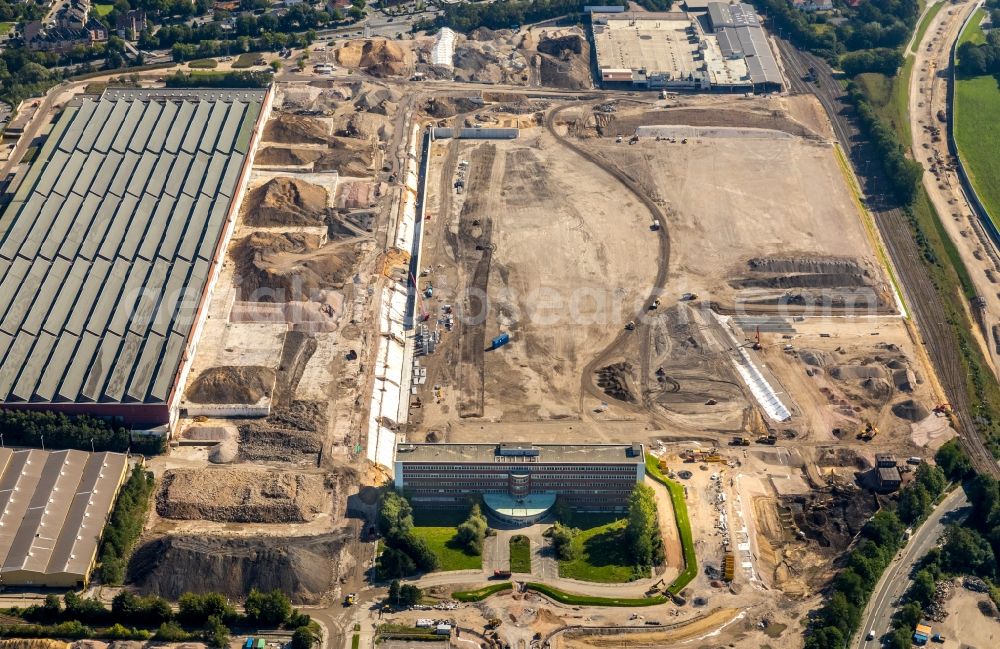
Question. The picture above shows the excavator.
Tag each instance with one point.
(868, 432)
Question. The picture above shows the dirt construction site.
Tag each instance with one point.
(774, 363)
(256, 487)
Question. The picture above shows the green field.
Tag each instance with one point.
(246, 60)
(203, 64)
(974, 33)
(590, 600)
(5, 28)
(683, 525)
(977, 129)
(602, 553)
(520, 554)
(103, 10)
(437, 528)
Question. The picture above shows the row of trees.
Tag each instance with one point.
(884, 60)
(880, 539)
(405, 553)
(236, 79)
(902, 173)
(207, 617)
(974, 60)
(973, 547)
(643, 529)
(58, 430)
(404, 594)
(872, 25)
(299, 18)
(125, 525)
(466, 16)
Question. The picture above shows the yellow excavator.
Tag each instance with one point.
(868, 432)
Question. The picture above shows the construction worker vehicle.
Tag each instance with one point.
(868, 433)
(630, 325)
(740, 441)
(691, 455)
(768, 439)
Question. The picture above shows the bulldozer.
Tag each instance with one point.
(868, 432)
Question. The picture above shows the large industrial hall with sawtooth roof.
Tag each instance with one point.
(53, 508)
(111, 245)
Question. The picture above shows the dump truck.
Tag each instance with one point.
(740, 441)
(767, 439)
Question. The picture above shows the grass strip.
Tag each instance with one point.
(355, 641)
(246, 60)
(520, 554)
(683, 525)
(203, 64)
(482, 593)
(590, 600)
(924, 24)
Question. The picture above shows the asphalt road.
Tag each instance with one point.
(896, 579)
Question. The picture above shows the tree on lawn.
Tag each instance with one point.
(643, 530)
(471, 533)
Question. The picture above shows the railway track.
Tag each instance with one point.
(922, 298)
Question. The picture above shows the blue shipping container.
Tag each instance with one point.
(501, 340)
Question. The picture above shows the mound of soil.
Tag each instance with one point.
(441, 107)
(282, 156)
(286, 201)
(378, 57)
(472, 63)
(878, 389)
(813, 357)
(240, 496)
(561, 46)
(568, 70)
(296, 129)
(290, 266)
(303, 567)
(903, 379)
(614, 380)
(910, 410)
(292, 434)
(351, 155)
(365, 126)
(831, 519)
(347, 156)
(626, 124)
(848, 372)
(239, 384)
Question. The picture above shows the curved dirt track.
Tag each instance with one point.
(586, 380)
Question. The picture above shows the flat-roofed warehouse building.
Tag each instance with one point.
(723, 50)
(53, 508)
(111, 245)
(520, 482)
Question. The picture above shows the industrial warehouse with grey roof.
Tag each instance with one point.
(53, 508)
(108, 246)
